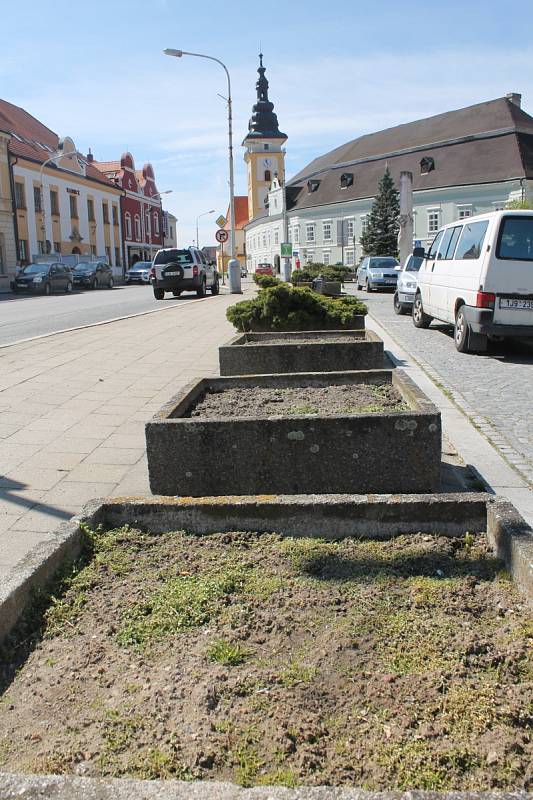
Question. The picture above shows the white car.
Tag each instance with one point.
(478, 276)
(406, 285)
(139, 273)
(184, 270)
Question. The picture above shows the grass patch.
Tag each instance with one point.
(296, 673)
(156, 764)
(412, 765)
(223, 652)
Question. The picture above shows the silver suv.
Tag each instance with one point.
(180, 271)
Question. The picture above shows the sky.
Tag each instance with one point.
(96, 72)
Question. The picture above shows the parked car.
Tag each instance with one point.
(377, 272)
(177, 271)
(93, 275)
(139, 273)
(406, 285)
(43, 278)
(264, 269)
(478, 276)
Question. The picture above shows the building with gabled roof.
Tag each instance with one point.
(467, 161)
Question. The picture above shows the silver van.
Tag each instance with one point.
(478, 276)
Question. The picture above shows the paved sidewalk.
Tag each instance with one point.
(73, 408)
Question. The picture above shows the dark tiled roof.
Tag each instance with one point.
(484, 143)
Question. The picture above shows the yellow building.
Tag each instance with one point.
(8, 250)
(241, 218)
(264, 155)
(64, 205)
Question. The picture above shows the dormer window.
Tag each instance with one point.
(312, 186)
(346, 180)
(427, 165)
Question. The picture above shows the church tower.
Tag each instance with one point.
(264, 156)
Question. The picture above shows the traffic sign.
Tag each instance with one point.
(221, 236)
(286, 250)
(221, 221)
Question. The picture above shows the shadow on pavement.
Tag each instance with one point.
(9, 486)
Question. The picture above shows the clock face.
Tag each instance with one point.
(267, 162)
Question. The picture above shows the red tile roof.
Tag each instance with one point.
(32, 140)
(241, 213)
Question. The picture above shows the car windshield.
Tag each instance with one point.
(83, 266)
(516, 239)
(173, 257)
(142, 265)
(32, 269)
(383, 263)
(414, 264)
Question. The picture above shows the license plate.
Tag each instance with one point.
(171, 274)
(516, 302)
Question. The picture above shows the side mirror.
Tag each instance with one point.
(419, 252)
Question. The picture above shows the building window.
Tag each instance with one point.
(349, 258)
(37, 199)
(433, 221)
(264, 240)
(90, 209)
(156, 224)
(117, 256)
(346, 180)
(127, 217)
(268, 176)
(266, 147)
(57, 248)
(108, 254)
(105, 212)
(20, 199)
(54, 202)
(350, 230)
(464, 211)
(326, 231)
(310, 233)
(276, 237)
(23, 250)
(326, 259)
(364, 223)
(296, 234)
(114, 211)
(147, 224)
(427, 164)
(73, 206)
(41, 248)
(137, 227)
(93, 249)
(312, 186)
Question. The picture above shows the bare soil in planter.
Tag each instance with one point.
(252, 658)
(362, 398)
(302, 339)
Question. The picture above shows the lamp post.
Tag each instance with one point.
(41, 187)
(197, 218)
(234, 269)
(148, 227)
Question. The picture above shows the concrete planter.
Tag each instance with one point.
(251, 355)
(380, 452)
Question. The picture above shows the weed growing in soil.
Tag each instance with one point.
(155, 764)
(223, 652)
(295, 673)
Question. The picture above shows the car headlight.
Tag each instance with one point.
(410, 285)
(38, 280)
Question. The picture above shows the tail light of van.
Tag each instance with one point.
(485, 300)
(195, 271)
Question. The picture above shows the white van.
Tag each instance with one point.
(478, 275)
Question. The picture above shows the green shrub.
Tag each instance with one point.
(312, 271)
(302, 276)
(284, 307)
(265, 281)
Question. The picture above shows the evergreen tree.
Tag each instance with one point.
(381, 235)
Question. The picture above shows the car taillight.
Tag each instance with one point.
(195, 270)
(152, 272)
(485, 300)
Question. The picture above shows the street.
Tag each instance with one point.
(494, 390)
(26, 316)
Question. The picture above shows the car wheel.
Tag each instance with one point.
(68, 288)
(420, 318)
(399, 308)
(367, 287)
(47, 289)
(215, 288)
(202, 290)
(176, 292)
(159, 294)
(111, 283)
(358, 285)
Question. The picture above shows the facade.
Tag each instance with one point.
(64, 206)
(463, 162)
(8, 248)
(170, 229)
(141, 213)
(241, 218)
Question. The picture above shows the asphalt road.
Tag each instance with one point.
(22, 316)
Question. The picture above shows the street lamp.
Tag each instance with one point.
(234, 269)
(197, 218)
(147, 217)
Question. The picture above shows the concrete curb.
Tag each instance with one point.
(372, 516)
(61, 787)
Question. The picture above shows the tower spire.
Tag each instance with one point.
(263, 122)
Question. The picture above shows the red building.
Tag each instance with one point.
(142, 222)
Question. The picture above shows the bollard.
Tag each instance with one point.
(234, 275)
